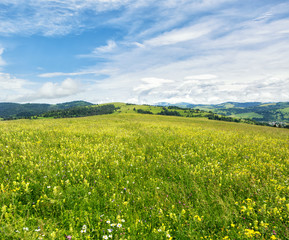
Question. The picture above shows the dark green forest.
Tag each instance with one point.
(81, 111)
(28, 110)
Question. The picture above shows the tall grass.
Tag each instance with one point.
(142, 177)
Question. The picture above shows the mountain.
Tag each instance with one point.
(11, 110)
(257, 111)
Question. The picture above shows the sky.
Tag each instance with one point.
(144, 51)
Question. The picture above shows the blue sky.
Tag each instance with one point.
(144, 51)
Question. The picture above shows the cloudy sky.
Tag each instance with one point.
(144, 51)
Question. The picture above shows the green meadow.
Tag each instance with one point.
(138, 176)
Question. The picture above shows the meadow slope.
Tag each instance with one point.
(130, 176)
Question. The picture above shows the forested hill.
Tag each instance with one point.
(274, 114)
(79, 109)
(16, 110)
(257, 111)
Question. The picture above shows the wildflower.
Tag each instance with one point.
(37, 230)
(159, 230)
(110, 230)
(83, 231)
(48, 186)
(108, 221)
(68, 237)
(110, 236)
(17, 231)
(122, 220)
(89, 193)
(84, 227)
(105, 237)
(26, 229)
(168, 235)
(113, 224)
(119, 225)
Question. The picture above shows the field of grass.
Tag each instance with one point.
(126, 108)
(129, 176)
(131, 108)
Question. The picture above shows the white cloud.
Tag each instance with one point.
(11, 86)
(264, 16)
(51, 90)
(8, 82)
(16, 90)
(151, 83)
(180, 35)
(206, 91)
(107, 48)
(201, 77)
(102, 51)
(85, 72)
(138, 44)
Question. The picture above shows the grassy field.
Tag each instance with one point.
(129, 176)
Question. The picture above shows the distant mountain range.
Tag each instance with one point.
(258, 111)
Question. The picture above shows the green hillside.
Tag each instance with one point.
(116, 108)
(142, 176)
(271, 112)
(253, 113)
(257, 111)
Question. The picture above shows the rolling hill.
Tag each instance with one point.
(257, 111)
(274, 114)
